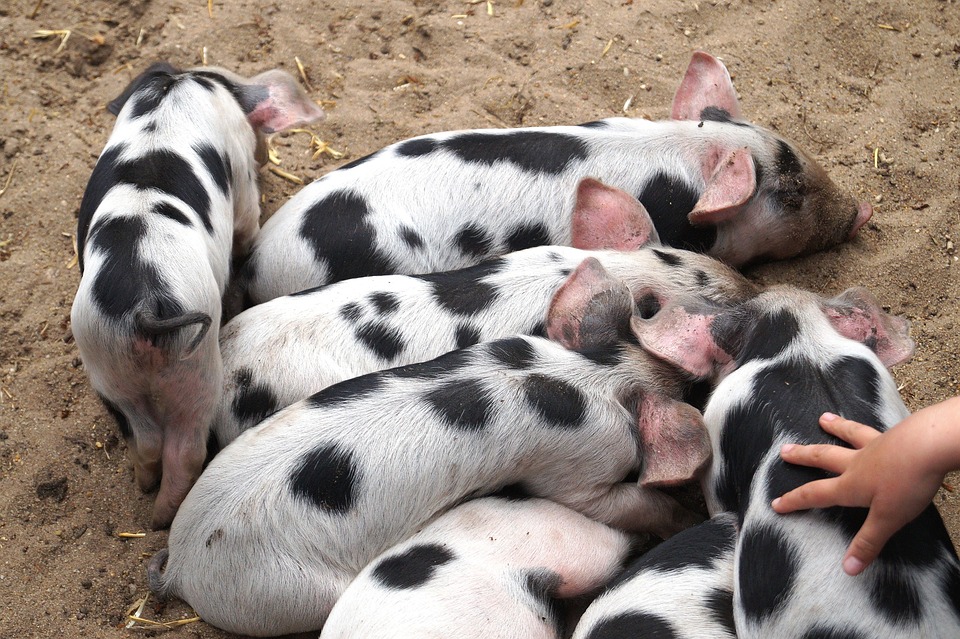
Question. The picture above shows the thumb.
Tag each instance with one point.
(868, 542)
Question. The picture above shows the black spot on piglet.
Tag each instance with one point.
(416, 147)
(253, 402)
(558, 402)
(540, 151)
(326, 477)
(413, 567)
(768, 571)
(633, 624)
(463, 403)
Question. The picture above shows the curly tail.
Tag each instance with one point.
(150, 325)
(155, 577)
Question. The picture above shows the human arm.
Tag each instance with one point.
(895, 474)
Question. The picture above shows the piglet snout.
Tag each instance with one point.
(864, 213)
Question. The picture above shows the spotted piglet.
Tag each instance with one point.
(172, 196)
(782, 359)
(682, 589)
(711, 181)
(286, 516)
(288, 348)
(490, 568)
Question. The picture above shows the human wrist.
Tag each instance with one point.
(941, 434)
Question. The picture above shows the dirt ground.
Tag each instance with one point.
(870, 87)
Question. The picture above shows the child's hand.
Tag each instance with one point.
(894, 474)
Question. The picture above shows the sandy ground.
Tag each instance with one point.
(871, 88)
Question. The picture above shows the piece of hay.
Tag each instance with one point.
(290, 177)
(303, 73)
(6, 185)
(135, 620)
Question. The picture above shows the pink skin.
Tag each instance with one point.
(591, 287)
(895, 474)
(684, 340)
(857, 315)
(706, 83)
(608, 218)
(675, 442)
(730, 184)
(864, 213)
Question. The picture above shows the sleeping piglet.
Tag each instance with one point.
(284, 350)
(711, 181)
(491, 568)
(172, 198)
(287, 515)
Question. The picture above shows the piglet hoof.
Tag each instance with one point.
(162, 518)
(148, 476)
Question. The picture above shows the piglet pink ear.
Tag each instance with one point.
(857, 315)
(730, 186)
(273, 101)
(682, 338)
(705, 84)
(676, 445)
(605, 217)
(864, 213)
(591, 309)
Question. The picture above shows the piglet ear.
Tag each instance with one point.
(605, 217)
(731, 185)
(683, 338)
(705, 84)
(157, 68)
(591, 309)
(857, 315)
(676, 445)
(273, 101)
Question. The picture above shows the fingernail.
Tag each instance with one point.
(786, 448)
(828, 417)
(775, 503)
(852, 566)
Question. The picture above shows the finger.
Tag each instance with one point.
(834, 459)
(854, 433)
(822, 493)
(869, 541)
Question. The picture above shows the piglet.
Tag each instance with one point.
(682, 589)
(288, 348)
(711, 181)
(490, 568)
(782, 359)
(288, 514)
(171, 199)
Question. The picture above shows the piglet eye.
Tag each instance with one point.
(648, 306)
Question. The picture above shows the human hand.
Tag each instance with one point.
(894, 474)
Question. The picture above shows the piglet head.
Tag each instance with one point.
(592, 309)
(676, 445)
(824, 214)
(605, 217)
(770, 199)
(857, 315)
(158, 71)
(692, 338)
